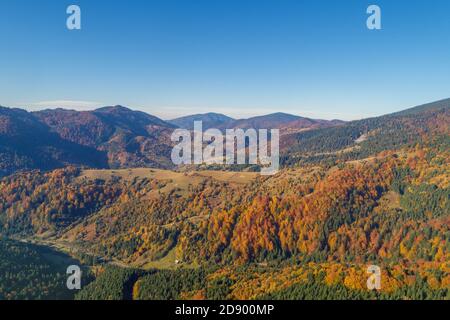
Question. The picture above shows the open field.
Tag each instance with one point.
(172, 180)
(177, 177)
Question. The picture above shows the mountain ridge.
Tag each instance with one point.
(129, 139)
(288, 123)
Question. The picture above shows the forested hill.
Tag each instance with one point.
(433, 106)
(117, 137)
(128, 138)
(104, 138)
(363, 138)
(27, 143)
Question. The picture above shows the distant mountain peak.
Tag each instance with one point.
(116, 108)
(210, 120)
(283, 114)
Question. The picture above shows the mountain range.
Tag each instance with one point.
(209, 120)
(111, 137)
(287, 122)
(117, 137)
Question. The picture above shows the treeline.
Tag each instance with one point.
(391, 208)
(316, 290)
(113, 284)
(267, 283)
(169, 285)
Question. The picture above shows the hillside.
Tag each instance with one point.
(128, 138)
(94, 128)
(110, 137)
(31, 272)
(27, 143)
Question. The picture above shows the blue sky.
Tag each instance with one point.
(240, 57)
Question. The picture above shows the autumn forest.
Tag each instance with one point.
(98, 188)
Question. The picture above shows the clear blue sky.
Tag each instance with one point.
(240, 57)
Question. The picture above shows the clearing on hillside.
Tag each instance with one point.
(172, 180)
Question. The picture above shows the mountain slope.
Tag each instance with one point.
(26, 143)
(427, 107)
(129, 138)
(374, 191)
(117, 137)
(109, 137)
(286, 122)
(362, 138)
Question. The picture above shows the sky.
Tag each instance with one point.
(170, 58)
